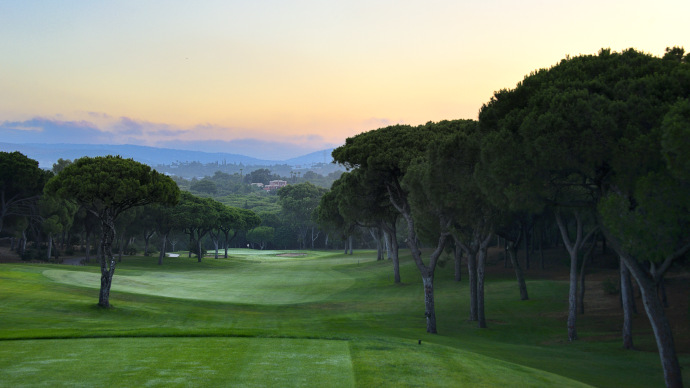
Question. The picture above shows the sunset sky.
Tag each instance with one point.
(249, 76)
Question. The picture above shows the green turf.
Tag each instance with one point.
(165, 362)
(257, 316)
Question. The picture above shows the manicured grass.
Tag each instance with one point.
(257, 316)
(165, 362)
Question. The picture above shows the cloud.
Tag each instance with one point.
(101, 128)
(44, 130)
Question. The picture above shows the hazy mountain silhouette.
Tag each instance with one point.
(47, 154)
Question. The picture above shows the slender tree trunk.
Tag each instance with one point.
(472, 273)
(379, 249)
(23, 243)
(481, 265)
(526, 233)
(572, 298)
(573, 247)
(512, 253)
(457, 251)
(349, 240)
(226, 243)
(50, 246)
(627, 300)
(389, 235)
(199, 248)
(662, 333)
(164, 242)
(581, 288)
(541, 251)
(107, 262)
(387, 241)
(87, 247)
(673, 376)
(396, 261)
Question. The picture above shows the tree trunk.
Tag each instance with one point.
(572, 298)
(389, 235)
(581, 288)
(429, 309)
(472, 273)
(673, 376)
(377, 239)
(87, 247)
(627, 300)
(226, 244)
(50, 246)
(541, 250)
(481, 265)
(349, 240)
(458, 263)
(199, 253)
(107, 262)
(526, 233)
(387, 241)
(573, 247)
(512, 253)
(23, 243)
(164, 238)
(396, 261)
(662, 332)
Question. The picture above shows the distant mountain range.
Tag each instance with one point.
(47, 154)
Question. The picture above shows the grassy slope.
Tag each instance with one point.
(349, 300)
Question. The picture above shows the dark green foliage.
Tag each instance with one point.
(21, 183)
(602, 133)
(112, 184)
(107, 187)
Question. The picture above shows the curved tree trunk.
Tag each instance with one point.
(673, 376)
(662, 332)
(627, 300)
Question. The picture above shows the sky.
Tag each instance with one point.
(278, 79)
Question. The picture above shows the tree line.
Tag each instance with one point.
(597, 144)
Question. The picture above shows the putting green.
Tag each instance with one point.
(127, 362)
(249, 283)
